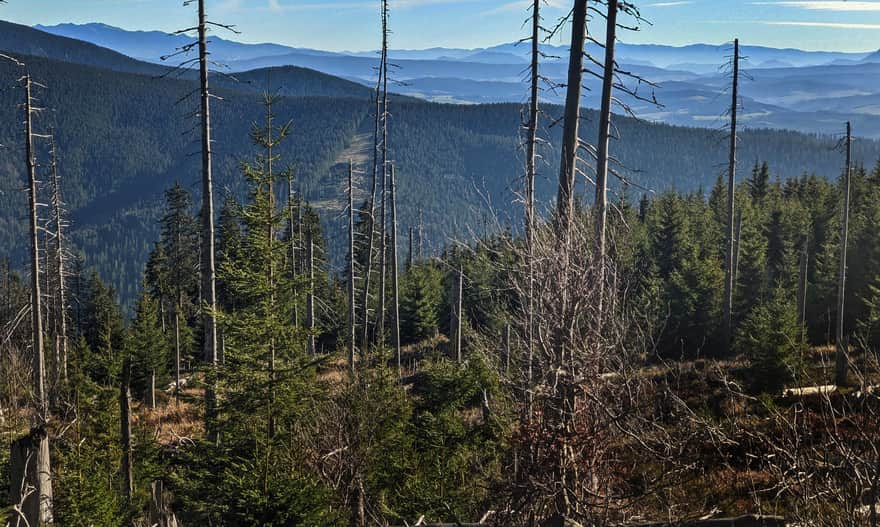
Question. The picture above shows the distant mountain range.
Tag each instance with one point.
(810, 91)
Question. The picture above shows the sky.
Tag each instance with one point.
(832, 25)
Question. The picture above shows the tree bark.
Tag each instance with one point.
(30, 484)
(568, 164)
(310, 299)
(841, 361)
(125, 431)
(603, 146)
(531, 155)
(351, 312)
(395, 285)
(731, 197)
(61, 310)
(459, 289)
(36, 305)
(208, 268)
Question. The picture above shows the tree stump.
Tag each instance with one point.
(30, 483)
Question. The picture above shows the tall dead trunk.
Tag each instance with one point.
(603, 146)
(36, 298)
(395, 285)
(736, 246)
(731, 199)
(507, 349)
(380, 137)
(383, 225)
(531, 158)
(125, 430)
(420, 241)
(458, 290)
(293, 242)
(61, 309)
(570, 141)
(802, 289)
(177, 352)
(564, 393)
(841, 360)
(409, 255)
(351, 313)
(310, 299)
(207, 268)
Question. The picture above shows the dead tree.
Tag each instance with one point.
(395, 285)
(458, 290)
(30, 464)
(570, 142)
(36, 297)
(383, 225)
(310, 298)
(291, 218)
(802, 286)
(531, 169)
(731, 195)
(841, 360)
(604, 137)
(409, 255)
(125, 429)
(207, 266)
(419, 242)
(61, 338)
(351, 313)
(380, 128)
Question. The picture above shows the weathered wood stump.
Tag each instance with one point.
(30, 483)
(159, 512)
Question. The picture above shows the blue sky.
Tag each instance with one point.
(840, 25)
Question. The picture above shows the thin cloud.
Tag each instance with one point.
(827, 5)
(832, 25)
(671, 4)
(277, 6)
(521, 5)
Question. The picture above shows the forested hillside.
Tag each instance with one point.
(459, 165)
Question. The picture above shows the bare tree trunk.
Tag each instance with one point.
(841, 361)
(565, 210)
(383, 226)
(310, 299)
(125, 430)
(507, 350)
(61, 310)
(731, 198)
(570, 141)
(177, 352)
(152, 389)
(736, 246)
(603, 146)
(421, 233)
(36, 305)
(409, 256)
(293, 242)
(802, 287)
(208, 269)
(351, 315)
(456, 330)
(531, 156)
(37, 445)
(380, 128)
(395, 285)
